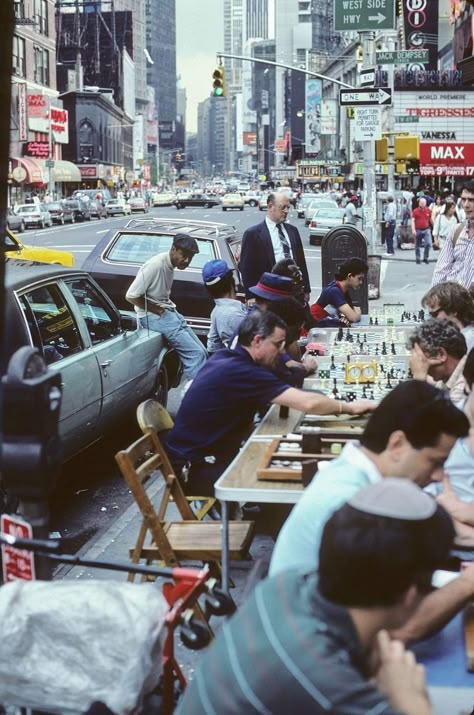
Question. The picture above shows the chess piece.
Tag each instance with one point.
(394, 352)
(371, 321)
(376, 321)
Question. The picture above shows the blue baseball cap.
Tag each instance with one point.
(214, 271)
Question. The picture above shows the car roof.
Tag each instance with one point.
(200, 229)
(19, 272)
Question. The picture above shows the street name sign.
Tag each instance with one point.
(368, 124)
(49, 164)
(402, 57)
(367, 77)
(365, 97)
(361, 15)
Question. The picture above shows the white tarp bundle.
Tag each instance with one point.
(65, 645)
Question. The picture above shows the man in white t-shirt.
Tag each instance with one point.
(150, 294)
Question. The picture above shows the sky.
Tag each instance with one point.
(199, 36)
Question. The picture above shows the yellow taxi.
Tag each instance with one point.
(16, 249)
(233, 201)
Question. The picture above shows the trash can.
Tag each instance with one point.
(373, 276)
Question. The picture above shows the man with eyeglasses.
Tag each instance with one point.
(456, 258)
(438, 353)
(218, 410)
(268, 242)
(451, 300)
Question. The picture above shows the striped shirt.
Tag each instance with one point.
(456, 262)
(287, 650)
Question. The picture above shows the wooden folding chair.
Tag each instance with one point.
(174, 541)
(152, 415)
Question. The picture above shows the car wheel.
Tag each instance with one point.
(160, 389)
(312, 241)
(224, 209)
(241, 208)
(206, 206)
(252, 203)
(21, 227)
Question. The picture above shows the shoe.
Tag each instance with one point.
(425, 260)
(418, 262)
(388, 254)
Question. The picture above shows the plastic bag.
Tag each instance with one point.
(66, 645)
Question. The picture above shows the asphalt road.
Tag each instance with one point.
(92, 492)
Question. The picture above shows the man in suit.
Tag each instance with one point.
(271, 241)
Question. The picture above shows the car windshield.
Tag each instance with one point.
(233, 197)
(321, 204)
(53, 207)
(139, 247)
(112, 202)
(27, 209)
(328, 213)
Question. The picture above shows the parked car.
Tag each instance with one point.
(61, 212)
(107, 365)
(115, 260)
(34, 215)
(233, 201)
(317, 204)
(164, 199)
(118, 206)
(16, 249)
(15, 221)
(303, 202)
(81, 209)
(197, 199)
(323, 221)
(138, 203)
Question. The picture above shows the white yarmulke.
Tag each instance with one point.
(395, 498)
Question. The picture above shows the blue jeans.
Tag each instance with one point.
(174, 328)
(389, 231)
(423, 238)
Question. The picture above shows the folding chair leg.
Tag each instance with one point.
(135, 558)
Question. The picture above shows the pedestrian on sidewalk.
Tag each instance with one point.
(420, 225)
(390, 216)
(443, 224)
(150, 294)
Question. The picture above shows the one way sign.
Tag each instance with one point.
(365, 97)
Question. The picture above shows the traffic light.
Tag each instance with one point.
(381, 149)
(407, 147)
(218, 82)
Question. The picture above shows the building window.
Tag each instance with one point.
(19, 67)
(41, 72)
(20, 9)
(40, 16)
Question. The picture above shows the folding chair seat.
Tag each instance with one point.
(152, 415)
(174, 541)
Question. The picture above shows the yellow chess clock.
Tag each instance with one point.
(360, 373)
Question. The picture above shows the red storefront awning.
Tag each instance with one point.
(34, 172)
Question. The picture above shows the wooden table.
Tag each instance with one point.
(239, 483)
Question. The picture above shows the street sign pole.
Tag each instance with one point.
(368, 224)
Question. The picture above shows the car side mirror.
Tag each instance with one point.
(128, 322)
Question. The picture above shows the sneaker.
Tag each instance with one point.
(418, 262)
(425, 260)
(388, 254)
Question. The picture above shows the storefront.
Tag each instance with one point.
(25, 178)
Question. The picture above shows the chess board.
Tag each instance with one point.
(371, 341)
(338, 378)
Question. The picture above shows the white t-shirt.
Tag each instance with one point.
(154, 280)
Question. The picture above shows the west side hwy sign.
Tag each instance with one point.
(365, 97)
(363, 15)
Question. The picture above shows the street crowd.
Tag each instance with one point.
(350, 576)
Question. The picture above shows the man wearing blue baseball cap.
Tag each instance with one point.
(229, 312)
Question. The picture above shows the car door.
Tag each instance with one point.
(127, 359)
(55, 331)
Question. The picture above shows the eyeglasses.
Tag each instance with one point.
(435, 313)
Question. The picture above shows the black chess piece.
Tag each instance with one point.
(333, 364)
(394, 352)
(403, 318)
(364, 392)
(348, 358)
(381, 366)
(365, 337)
(384, 349)
(389, 384)
(377, 349)
(340, 335)
(376, 321)
(372, 397)
(348, 335)
(371, 321)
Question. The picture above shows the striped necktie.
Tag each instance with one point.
(284, 242)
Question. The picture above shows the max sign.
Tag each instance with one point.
(444, 153)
